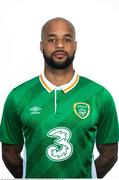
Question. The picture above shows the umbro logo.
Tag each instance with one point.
(35, 110)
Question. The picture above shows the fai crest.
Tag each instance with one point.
(82, 109)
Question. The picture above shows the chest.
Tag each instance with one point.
(57, 109)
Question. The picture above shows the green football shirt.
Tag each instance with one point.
(59, 125)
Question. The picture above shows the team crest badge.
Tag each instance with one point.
(82, 109)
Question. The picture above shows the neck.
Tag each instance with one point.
(60, 76)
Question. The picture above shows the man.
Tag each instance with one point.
(59, 116)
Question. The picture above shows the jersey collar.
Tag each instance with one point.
(65, 88)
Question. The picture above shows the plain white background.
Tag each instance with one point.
(97, 27)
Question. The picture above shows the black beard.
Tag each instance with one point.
(50, 61)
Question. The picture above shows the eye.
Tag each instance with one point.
(51, 40)
(67, 40)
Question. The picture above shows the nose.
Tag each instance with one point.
(60, 44)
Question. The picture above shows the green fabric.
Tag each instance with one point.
(59, 144)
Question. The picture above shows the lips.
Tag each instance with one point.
(59, 54)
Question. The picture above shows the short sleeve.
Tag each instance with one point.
(108, 126)
(11, 127)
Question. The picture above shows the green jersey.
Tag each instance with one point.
(59, 125)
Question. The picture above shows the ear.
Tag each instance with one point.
(75, 45)
(41, 46)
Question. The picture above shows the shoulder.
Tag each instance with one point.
(90, 84)
(93, 88)
(27, 84)
(24, 89)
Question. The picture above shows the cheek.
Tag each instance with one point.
(71, 49)
(48, 49)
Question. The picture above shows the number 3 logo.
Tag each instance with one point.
(62, 149)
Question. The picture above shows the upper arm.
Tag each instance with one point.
(108, 126)
(10, 151)
(12, 159)
(11, 124)
(108, 150)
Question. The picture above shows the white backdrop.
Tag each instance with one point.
(97, 27)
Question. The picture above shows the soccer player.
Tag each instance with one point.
(59, 116)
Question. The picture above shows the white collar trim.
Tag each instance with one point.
(66, 87)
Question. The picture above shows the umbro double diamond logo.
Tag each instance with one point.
(35, 110)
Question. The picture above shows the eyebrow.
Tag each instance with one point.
(65, 35)
(69, 35)
(50, 35)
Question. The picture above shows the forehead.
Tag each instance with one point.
(58, 28)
